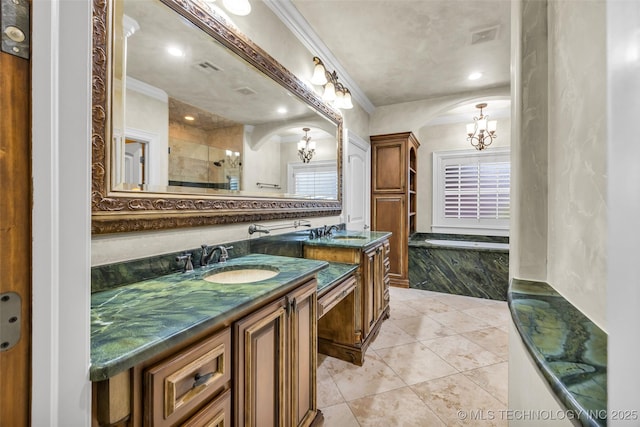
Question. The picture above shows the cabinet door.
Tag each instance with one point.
(388, 165)
(260, 374)
(303, 354)
(368, 291)
(390, 214)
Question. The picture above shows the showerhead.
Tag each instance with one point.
(219, 163)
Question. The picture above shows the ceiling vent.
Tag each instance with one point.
(245, 91)
(206, 66)
(484, 35)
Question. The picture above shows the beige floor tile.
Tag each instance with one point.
(373, 377)
(494, 315)
(494, 379)
(397, 408)
(459, 401)
(493, 339)
(403, 294)
(328, 392)
(460, 322)
(415, 363)
(423, 328)
(429, 305)
(339, 416)
(390, 335)
(462, 353)
(400, 310)
(460, 302)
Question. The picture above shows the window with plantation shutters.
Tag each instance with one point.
(317, 180)
(471, 192)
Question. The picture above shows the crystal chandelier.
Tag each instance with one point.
(306, 147)
(481, 132)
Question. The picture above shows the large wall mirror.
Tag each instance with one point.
(194, 124)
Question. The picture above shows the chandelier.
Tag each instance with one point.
(333, 91)
(306, 147)
(233, 158)
(481, 132)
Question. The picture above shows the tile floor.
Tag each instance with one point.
(437, 355)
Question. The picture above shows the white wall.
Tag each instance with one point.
(442, 138)
(623, 188)
(577, 236)
(61, 391)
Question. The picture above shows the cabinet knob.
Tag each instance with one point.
(198, 379)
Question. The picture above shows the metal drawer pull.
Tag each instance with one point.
(201, 379)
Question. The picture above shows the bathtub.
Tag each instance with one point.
(476, 266)
(468, 244)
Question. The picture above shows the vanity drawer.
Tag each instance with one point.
(335, 295)
(179, 384)
(215, 414)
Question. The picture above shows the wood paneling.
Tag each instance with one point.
(15, 231)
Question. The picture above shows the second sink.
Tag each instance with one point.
(243, 274)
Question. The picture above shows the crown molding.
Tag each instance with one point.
(293, 19)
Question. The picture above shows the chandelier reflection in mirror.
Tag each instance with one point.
(233, 158)
(333, 91)
(481, 132)
(306, 147)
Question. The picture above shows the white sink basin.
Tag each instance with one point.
(241, 275)
(348, 237)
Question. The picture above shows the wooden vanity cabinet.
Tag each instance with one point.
(347, 329)
(259, 371)
(275, 365)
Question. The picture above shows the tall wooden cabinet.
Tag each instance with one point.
(394, 159)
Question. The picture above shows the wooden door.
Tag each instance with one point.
(260, 373)
(15, 236)
(303, 354)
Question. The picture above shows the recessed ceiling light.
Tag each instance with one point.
(175, 51)
(475, 75)
(189, 118)
(281, 110)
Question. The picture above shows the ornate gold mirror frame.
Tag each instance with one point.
(114, 212)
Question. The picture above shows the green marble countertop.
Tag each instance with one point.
(569, 349)
(133, 323)
(333, 274)
(350, 239)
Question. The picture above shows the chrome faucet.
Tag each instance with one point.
(188, 265)
(328, 231)
(208, 251)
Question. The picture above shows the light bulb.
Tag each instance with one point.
(471, 128)
(319, 75)
(237, 7)
(346, 102)
(492, 125)
(329, 92)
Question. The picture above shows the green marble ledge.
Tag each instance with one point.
(569, 349)
(350, 239)
(132, 323)
(333, 274)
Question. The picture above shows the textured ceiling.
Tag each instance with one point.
(400, 51)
